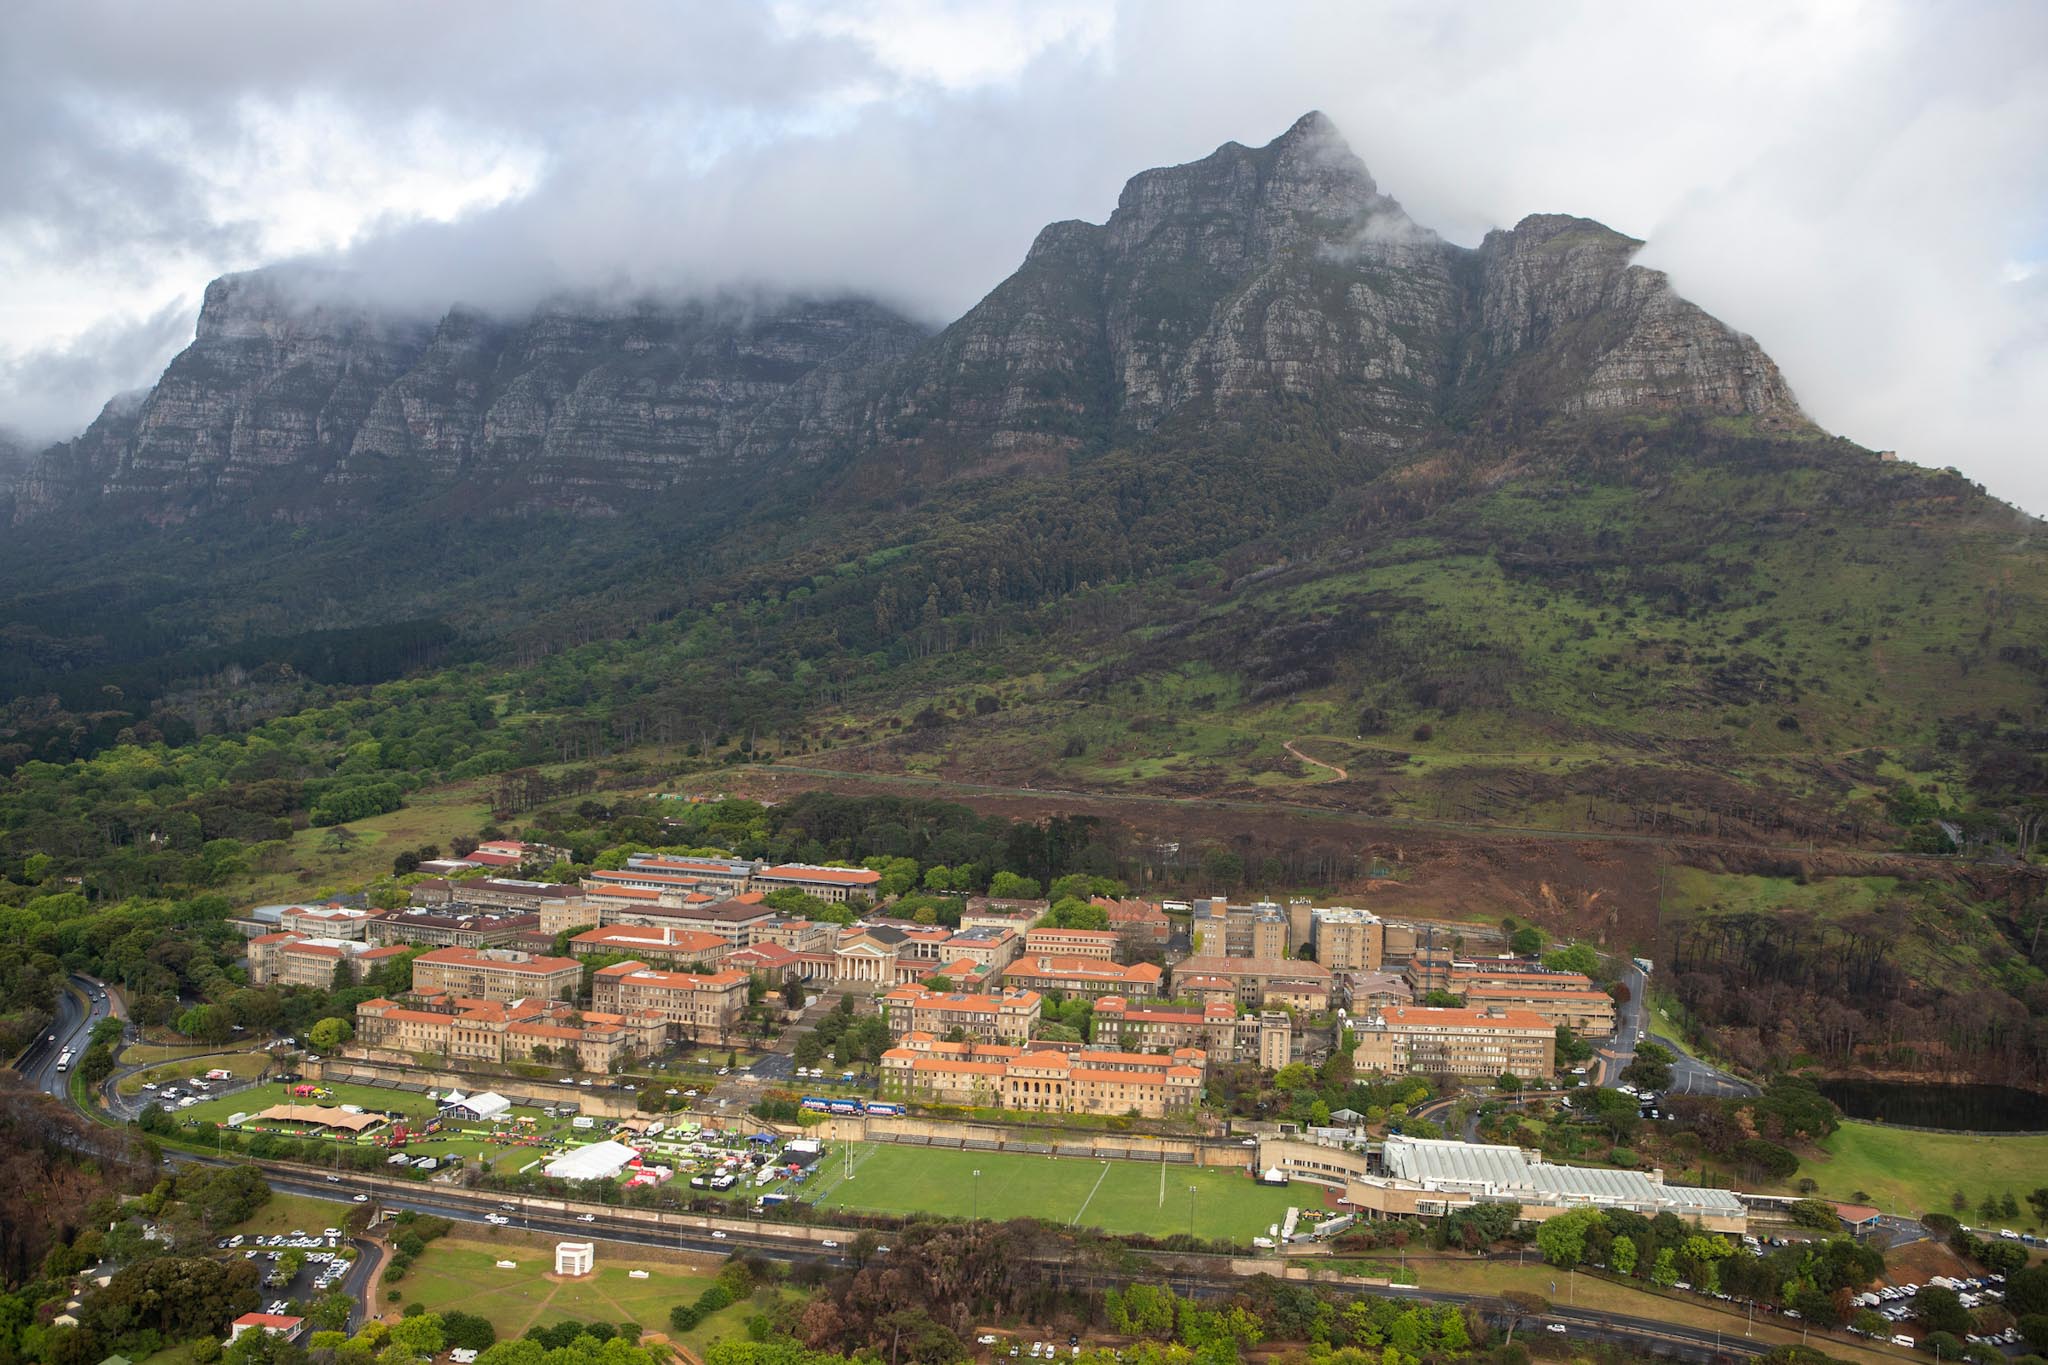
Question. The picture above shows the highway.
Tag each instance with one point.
(78, 1009)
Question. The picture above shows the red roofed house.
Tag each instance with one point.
(1043, 1079)
(295, 960)
(654, 942)
(698, 1007)
(1083, 976)
(277, 1324)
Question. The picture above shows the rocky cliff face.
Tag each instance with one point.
(1254, 275)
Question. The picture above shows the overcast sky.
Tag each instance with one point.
(1861, 185)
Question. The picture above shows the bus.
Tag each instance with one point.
(64, 1062)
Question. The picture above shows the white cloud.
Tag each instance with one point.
(1862, 184)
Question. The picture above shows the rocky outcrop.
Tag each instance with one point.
(1252, 277)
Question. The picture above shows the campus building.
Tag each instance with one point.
(655, 943)
(1217, 1029)
(1042, 1079)
(1258, 930)
(1083, 976)
(459, 1028)
(1140, 924)
(1258, 981)
(496, 893)
(325, 921)
(997, 1017)
(1346, 939)
(496, 974)
(293, 960)
(835, 884)
(738, 920)
(453, 926)
(1586, 1010)
(1430, 1178)
(1071, 943)
(697, 1007)
(1456, 1042)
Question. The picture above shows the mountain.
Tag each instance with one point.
(1215, 289)
(292, 399)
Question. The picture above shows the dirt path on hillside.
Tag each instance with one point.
(1288, 745)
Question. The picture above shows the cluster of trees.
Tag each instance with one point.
(1773, 987)
(1817, 1279)
(1301, 1093)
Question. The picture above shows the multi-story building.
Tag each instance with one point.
(1347, 940)
(1043, 1079)
(1457, 1042)
(1256, 930)
(1002, 912)
(834, 884)
(1137, 923)
(1071, 943)
(496, 974)
(325, 921)
(699, 1007)
(733, 876)
(1586, 1010)
(453, 926)
(989, 948)
(283, 959)
(738, 920)
(797, 935)
(654, 943)
(1083, 976)
(496, 893)
(1265, 1039)
(772, 962)
(1257, 981)
(995, 1017)
(499, 1031)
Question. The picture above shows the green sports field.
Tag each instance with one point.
(457, 1272)
(1116, 1196)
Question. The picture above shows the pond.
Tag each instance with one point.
(1974, 1108)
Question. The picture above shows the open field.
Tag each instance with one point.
(1911, 1172)
(1587, 1291)
(458, 1272)
(135, 1054)
(1116, 1196)
(730, 1321)
(310, 864)
(290, 1212)
(243, 1064)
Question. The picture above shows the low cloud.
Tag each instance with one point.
(1861, 184)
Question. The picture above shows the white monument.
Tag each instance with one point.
(575, 1258)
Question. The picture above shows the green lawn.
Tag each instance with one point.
(456, 1272)
(1116, 1196)
(1912, 1172)
(293, 1212)
(242, 1064)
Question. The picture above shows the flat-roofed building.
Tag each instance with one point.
(987, 947)
(1071, 943)
(456, 925)
(664, 943)
(1456, 1042)
(1259, 981)
(1083, 976)
(797, 935)
(700, 1007)
(496, 893)
(989, 1017)
(325, 921)
(731, 874)
(496, 974)
(1429, 1178)
(1347, 939)
(834, 884)
(283, 959)
(1043, 1079)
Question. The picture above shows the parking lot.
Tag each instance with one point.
(326, 1259)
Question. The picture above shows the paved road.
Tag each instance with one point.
(1688, 1077)
(85, 1004)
